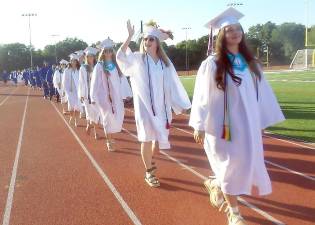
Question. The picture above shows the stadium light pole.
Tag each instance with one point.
(29, 15)
(54, 36)
(307, 3)
(186, 30)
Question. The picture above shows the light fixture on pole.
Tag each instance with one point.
(29, 26)
(234, 4)
(186, 30)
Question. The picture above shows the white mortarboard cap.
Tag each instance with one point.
(90, 51)
(106, 44)
(74, 56)
(63, 62)
(228, 17)
(79, 53)
(156, 32)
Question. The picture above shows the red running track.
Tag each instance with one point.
(63, 176)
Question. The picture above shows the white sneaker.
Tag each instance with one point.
(216, 195)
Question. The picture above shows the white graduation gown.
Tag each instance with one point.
(57, 81)
(125, 87)
(152, 127)
(112, 121)
(70, 85)
(92, 111)
(63, 97)
(238, 164)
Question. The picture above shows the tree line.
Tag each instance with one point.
(280, 42)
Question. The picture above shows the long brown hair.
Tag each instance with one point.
(159, 51)
(101, 57)
(225, 66)
(87, 63)
(77, 64)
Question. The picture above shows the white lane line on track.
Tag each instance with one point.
(9, 202)
(105, 178)
(290, 142)
(267, 161)
(6, 98)
(202, 177)
(291, 171)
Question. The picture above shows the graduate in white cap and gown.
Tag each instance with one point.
(63, 99)
(157, 91)
(232, 104)
(57, 78)
(81, 57)
(125, 88)
(106, 92)
(85, 75)
(71, 85)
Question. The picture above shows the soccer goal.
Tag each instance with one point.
(304, 59)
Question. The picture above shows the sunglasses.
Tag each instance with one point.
(234, 30)
(108, 51)
(150, 39)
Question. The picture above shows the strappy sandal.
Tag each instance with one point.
(109, 144)
(151, 179)
(216, 195)
(70, 120)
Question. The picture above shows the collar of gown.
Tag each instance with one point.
(238, 61)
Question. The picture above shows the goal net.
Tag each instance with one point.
(304, 59)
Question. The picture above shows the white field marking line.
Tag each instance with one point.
(270, 80)
(292, 81)
(6, 98)
(290, 142)
(202, 177)
(298, 140)
(106, 179)
(312, 178)
(9, 202)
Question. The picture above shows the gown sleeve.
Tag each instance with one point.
(65, 81)
(56, 80)
(201, 98)
(82, 77)
(95, 82)
(126, 61)
(179, 97)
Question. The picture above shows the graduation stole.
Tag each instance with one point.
(71, 82)
(107, 67)
(226, 131)
(88, 72)
(167, 125)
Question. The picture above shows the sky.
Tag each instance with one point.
(95, 20)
